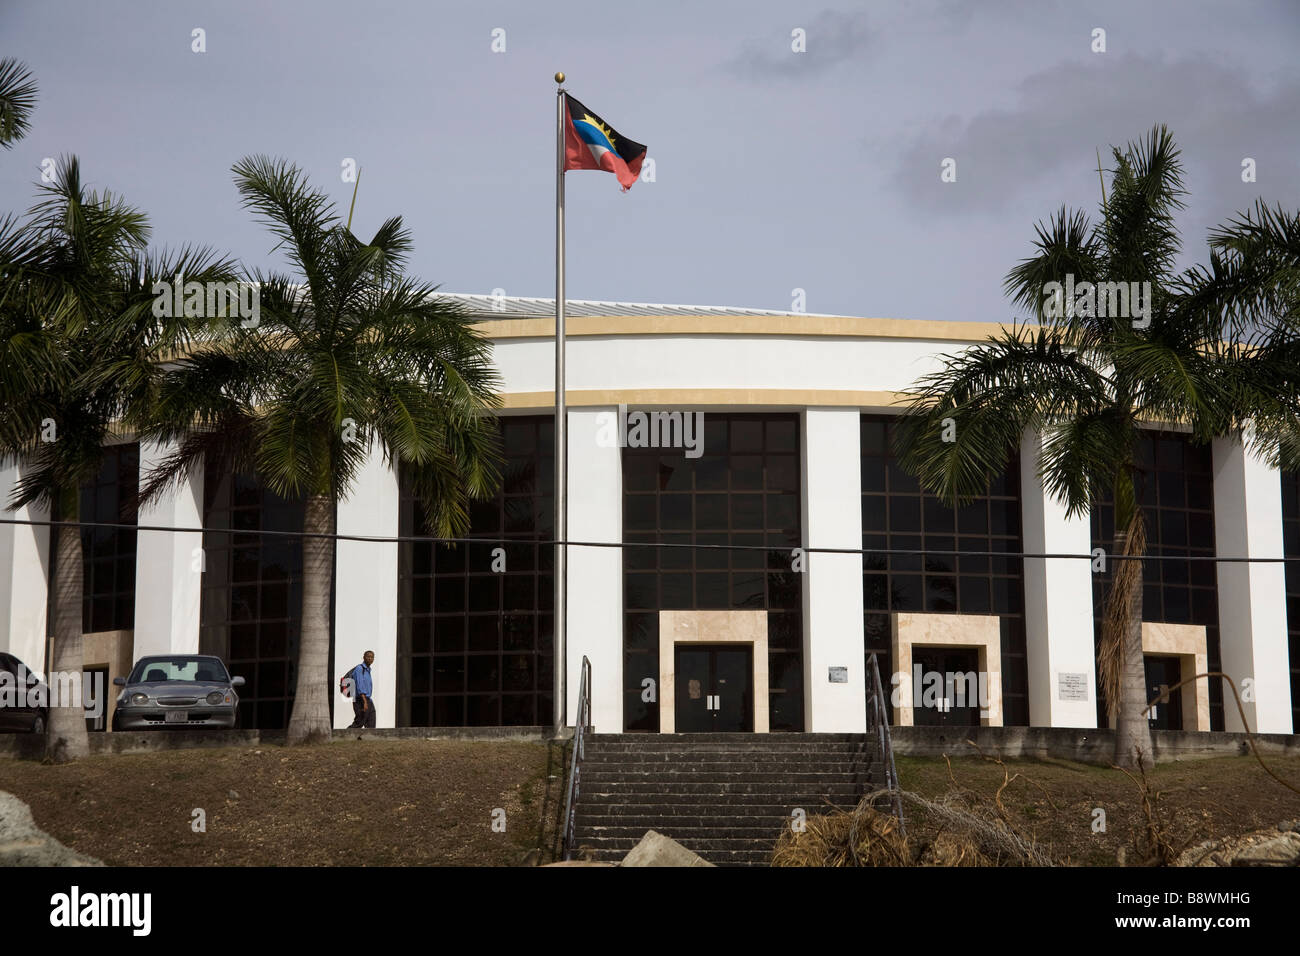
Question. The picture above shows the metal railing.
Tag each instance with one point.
(579, 742)
(878, 723)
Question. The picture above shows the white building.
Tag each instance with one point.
(794, 454)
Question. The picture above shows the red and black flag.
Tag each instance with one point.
(591, 143)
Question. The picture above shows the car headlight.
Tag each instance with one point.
(139, 700)
(217, 697)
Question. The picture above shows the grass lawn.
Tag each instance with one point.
(430, 802)
(371, 802)
(1054, 800)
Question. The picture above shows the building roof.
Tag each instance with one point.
(488, 307)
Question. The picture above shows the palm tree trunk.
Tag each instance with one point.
(65, 736)
(1122, 638)
(310, 720)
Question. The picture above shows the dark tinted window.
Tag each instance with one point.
(1291, 545)
(1176, 489)
(743, 489)
(987, 579)
(108, 554)
(474, 620)
(252, 593)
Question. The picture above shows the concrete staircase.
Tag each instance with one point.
(725, 796)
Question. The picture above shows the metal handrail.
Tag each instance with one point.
(579, 743)
(878, 720)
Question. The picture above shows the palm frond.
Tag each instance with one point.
(965, 420)
(17, 101)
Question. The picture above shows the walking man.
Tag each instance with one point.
(363, 706)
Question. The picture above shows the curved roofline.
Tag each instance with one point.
(732, 323)
(522, 317)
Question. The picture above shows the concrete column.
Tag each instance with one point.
(169, 567)
(24, 578)
(595, 585)
(1252, 597)
(832, 518)
(365, 588)
(1060, 652)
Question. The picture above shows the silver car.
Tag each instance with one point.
(177, 690)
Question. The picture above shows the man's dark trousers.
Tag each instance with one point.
(363, 719)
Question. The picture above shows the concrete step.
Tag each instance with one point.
(603, 759)
(797, 779)
(768, 822)
(606, 802)
(754, 805)
(677, 744)
(659, 785)
(728, 797)
(722, 774)
(778, 738)
(601, 755)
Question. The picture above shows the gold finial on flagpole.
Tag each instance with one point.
(559, 77)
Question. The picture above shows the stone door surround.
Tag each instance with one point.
(711, 627)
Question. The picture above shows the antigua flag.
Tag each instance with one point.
(591, 143)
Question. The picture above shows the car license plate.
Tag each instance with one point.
(177, 716)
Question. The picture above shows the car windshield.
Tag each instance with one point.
(158, 669)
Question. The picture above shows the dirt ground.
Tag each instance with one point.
(371, 802)
(419, 802)
(1054, 801)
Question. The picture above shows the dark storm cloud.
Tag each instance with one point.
(776, 170)
(1067, 112)
(830, 38)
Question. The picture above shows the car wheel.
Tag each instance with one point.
(38, 724)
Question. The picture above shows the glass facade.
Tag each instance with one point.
(108, 554)
(1291, 548)
(744, 489)
(475, 625)
(1177, 495)
(897, 515)
(251, 612)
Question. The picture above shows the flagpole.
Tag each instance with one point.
(560, 656)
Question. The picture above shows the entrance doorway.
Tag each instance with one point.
(958, 703)
(714, 688)
(1163, 672)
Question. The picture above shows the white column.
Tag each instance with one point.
(168, 567)
(832, 518)
(595, 587)
(24, 578)
(1059, 648)
(1252, 597)
(365, 588)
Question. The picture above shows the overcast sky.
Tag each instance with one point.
(775, 170)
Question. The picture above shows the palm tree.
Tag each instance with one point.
(353, 354)
(17, 100)
(79, 350)
(1213, 350)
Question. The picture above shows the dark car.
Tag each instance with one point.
(177, 690)
(22, 706)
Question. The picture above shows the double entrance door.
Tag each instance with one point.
(714, 689)
(936, 702)
(1162, 673)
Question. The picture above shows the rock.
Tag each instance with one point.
(1288, 826)
(233, 794)
(1281, 850)
(23, 844)
(1260, 848)
(578, 863)
(655, 849)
